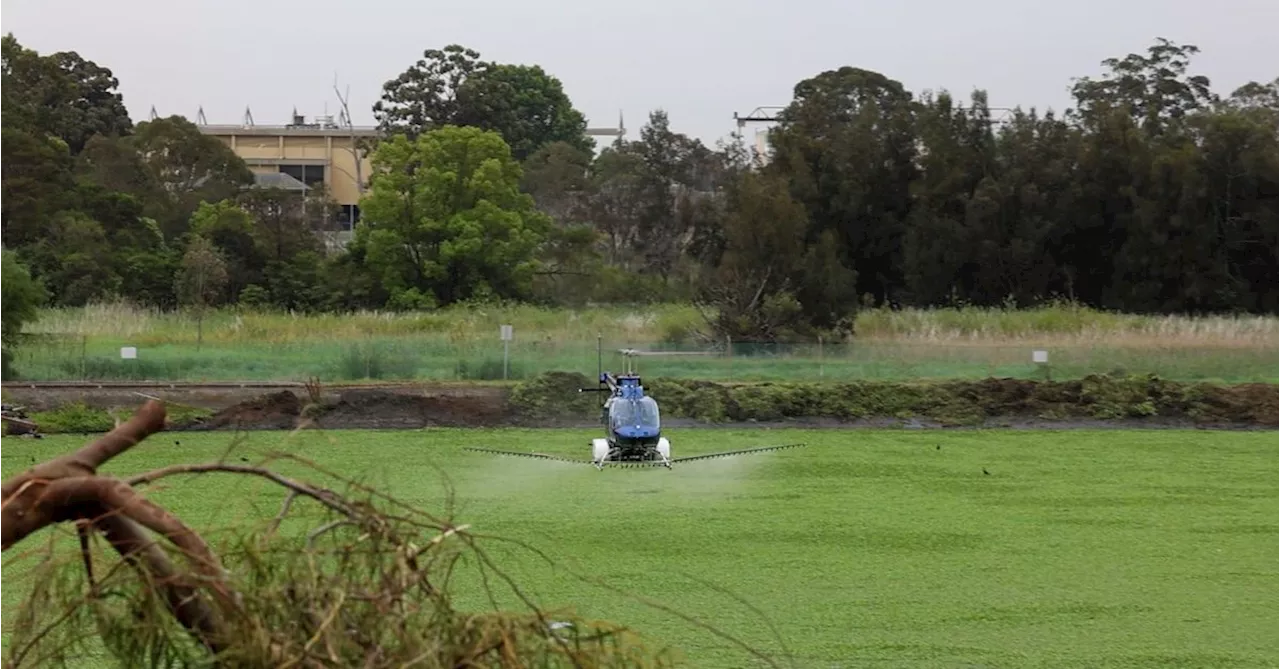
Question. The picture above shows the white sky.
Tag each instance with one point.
(701, 60)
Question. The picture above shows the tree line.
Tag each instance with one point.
(1152, 193)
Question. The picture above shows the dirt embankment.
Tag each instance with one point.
(552, 400)
(279, 408)
(366, 408)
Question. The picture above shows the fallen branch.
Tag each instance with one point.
(366, 596)
(68, 488)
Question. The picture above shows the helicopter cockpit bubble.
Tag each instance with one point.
(641, 412)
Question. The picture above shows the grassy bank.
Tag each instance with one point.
(463, 343)
(1082, 549)
(553, 397)
(79, 418)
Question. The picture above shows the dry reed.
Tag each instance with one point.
(1061, 324)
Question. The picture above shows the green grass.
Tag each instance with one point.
(407, 358)
(868, 548)
(462, 343)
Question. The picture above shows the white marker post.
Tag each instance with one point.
(507, 335)
(128, 353)
(1041, 358)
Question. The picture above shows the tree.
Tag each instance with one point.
(287, 223)
(984, 204)
(1238, 158)
(60, 95)
(1142, 239)
(22, 296)
(753, 286)
(677, 185)
(75, 260)
(846, 144)
(240, 245)
(201, 279)
(1153, 89)
(523, 104)
(652, 198)
(95, 108)
(938, 245)
(37, 183)
(557, 176)
(429, 94)
(445, 218)
(614, 201)
(189, 166)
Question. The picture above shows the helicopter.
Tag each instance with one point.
(633, 426)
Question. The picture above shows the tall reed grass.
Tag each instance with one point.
(675, 324)
(462, 343)
(458, 324)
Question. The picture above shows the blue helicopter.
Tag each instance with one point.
(633, 426)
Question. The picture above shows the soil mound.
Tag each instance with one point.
(381, 409)
(1255, 403)
(273, 411)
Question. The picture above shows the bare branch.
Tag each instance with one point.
(82, 532)
(321, 495)
(284, 511)
(145, 422)
(154, 566)
(327, 527)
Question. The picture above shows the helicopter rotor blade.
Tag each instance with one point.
(725, 454)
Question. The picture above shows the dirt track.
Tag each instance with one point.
(411, 406)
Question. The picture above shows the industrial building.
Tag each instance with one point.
(321, 151)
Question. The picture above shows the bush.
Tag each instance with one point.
(554, 394)
(22, 296)
(956, 403)
(79, 418)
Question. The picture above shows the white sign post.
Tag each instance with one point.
(1041, 358)
(127, 353)
(507, 335)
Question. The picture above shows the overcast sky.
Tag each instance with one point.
(701, 60)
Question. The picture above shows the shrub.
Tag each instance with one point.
(957, 402)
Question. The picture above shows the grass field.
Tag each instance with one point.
(866, 549)
(462, 343)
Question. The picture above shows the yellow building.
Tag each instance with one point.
(319, 152)
(322, 151)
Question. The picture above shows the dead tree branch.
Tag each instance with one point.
(372, 592)
(68, 488)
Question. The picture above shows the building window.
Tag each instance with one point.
(349, 216)
(310, 175)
